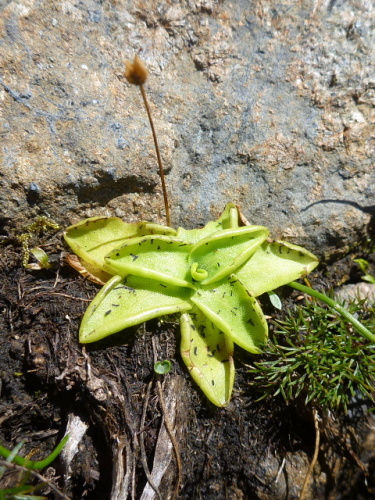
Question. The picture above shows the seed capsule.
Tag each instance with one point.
(136, 72)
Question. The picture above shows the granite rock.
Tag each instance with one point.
(266, 104)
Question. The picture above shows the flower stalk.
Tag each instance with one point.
(136, 74)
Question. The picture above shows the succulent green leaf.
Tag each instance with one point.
(192, 235)
(273, 265)
(160, 258)
(94, 238)
(223, 252)
(208, 354)
(124, 302)
(227, 220)
(229, 306)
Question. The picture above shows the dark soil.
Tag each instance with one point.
(249, 450)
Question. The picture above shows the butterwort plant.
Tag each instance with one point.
(211, 277)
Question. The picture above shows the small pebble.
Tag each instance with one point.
(34, 188)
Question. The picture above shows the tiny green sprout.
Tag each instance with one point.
(364, 265)
(162, 367)
(40, 225)
(275, 300)
(334, 305)
(42, 259)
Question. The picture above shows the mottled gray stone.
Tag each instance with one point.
(267, 104)
(358, 291)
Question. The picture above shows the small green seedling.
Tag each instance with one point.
(209, 276)
(40, 225)
(42, 260)
(364, 266)
(162, 367)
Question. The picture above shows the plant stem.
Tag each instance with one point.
(315, 457)
(30, 464)
(337, 307)
(161, 170)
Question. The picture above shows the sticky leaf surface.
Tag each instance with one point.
(224, 251)
(275, 264)
(235, 312)
(92, 239)
(155, 257)
(208, 355)
(124, 302)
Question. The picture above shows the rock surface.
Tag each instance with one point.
(267, 104)
(359, 291)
